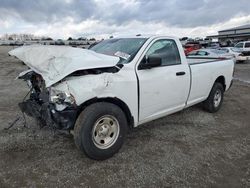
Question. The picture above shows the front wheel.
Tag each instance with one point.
(215, 98)
(100, 130)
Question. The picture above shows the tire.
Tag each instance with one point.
(100, 130)
(215, 98)
(240, 61)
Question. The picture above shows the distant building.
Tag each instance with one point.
(233, 35)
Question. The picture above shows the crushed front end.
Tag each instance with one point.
(50, 107)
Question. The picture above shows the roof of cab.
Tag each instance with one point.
(145, 36)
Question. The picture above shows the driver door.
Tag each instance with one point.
(163, 89)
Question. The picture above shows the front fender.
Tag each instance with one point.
(86, 87)
(121, 85)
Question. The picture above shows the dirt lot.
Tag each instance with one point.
(191, 148)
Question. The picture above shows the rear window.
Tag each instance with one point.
(202, 53)
(218, 51)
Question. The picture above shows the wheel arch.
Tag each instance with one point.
(115, 101)
(221, 79)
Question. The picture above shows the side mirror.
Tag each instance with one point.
(149, 62)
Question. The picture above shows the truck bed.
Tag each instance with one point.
(204, 71)
(194, 60)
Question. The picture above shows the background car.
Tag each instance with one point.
(191, 46)
(244, 56)
(243, 46)
(59, 42)
(240, 56)
(211, 53)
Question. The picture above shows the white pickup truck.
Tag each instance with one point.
(118, 84)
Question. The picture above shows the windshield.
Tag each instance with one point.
(124, 48)
(239, 45)
(236, 50)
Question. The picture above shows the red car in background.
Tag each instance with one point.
(189, 47)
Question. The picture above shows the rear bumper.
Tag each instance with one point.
(48, 115)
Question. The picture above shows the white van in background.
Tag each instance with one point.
(244, 46)
(244, 49)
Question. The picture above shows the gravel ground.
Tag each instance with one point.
(191, 148)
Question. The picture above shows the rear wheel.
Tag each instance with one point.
(100, 130)
(215, 98)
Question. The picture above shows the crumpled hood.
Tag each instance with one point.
(54, 63)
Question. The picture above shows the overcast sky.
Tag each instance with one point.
(102, 18)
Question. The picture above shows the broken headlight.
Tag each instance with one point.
(61, 97)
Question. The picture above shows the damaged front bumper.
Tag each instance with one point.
(47, 114)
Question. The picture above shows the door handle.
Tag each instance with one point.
(180, 73)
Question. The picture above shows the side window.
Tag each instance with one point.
(247, 45)
(167, 50)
